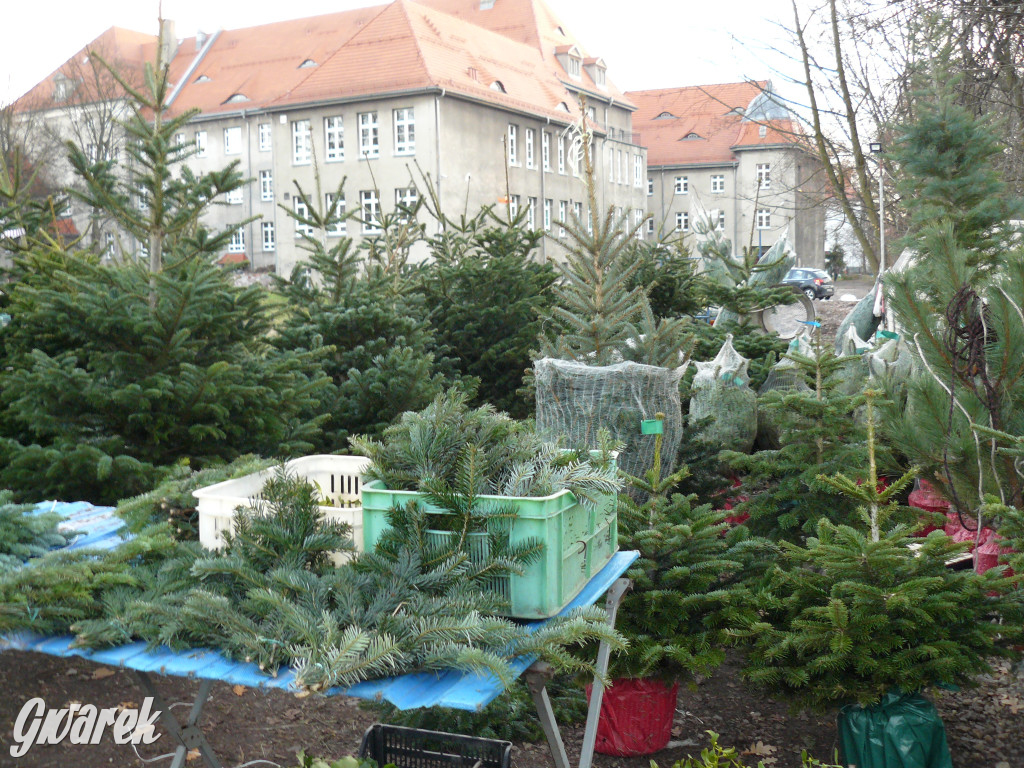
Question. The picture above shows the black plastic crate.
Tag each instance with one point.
(414, 748)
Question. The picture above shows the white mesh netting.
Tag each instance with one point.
(720, 391)
(575, 400)
(785, 376)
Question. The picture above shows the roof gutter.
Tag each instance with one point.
(192, 67)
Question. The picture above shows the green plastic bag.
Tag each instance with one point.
(901, 731)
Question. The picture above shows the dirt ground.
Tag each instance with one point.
(985, 725)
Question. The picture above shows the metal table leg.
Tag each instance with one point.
(539, 672)
(189, 736)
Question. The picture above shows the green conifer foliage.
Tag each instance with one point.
(486, 296)
(817, 435)
(111, 373)
(691, 585)
(856, 612)
(24, 534)
(380, 350)
(960, 308)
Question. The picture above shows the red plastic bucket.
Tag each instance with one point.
(636, 716)
(924, 496)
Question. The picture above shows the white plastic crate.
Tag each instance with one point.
(338, 478)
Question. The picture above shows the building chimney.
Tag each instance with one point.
(168, 42)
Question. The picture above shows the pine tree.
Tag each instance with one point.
(856, 612)
(817, 434)
(112, 374)
(600, 313)
(960, 309)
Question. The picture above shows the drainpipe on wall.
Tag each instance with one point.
(437, 142)
(251, 226)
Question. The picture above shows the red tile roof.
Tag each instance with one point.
(533, 23)
(377, 50)
(124, 49)
(704, 124)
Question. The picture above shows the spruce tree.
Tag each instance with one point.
(112, 374)
(380, 349)
(856, 612)
(817, 434)
(487, 296)
(691, 585)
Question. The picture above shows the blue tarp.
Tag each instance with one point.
(459, 690)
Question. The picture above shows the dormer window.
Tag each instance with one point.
(562, 106)
(691, 135)
(665, 116)
(571, 59)
(236, 98)
(762, 131)
(498, 86)
(307, 64)
(63, 87)
(596, 69)
(202, 79)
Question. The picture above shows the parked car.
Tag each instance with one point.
(815, 283)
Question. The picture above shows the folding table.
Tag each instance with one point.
(460, 690)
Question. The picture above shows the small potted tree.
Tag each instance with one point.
(689, 588)
(859, 619)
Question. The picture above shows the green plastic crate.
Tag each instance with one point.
(578, 542)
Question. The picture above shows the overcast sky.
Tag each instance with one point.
(646, 43)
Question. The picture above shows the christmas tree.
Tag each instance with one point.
(856, 612)
(113, 373)
(817, 434)
(691, 585)
(959, 306)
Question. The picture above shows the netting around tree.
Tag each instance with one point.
(862, 318)
(772, 268)
(720, 391)
(785, 376)
(575, 400)
(853, 349)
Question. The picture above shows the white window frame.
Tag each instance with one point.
(548, 204)
(573, 67)
(406, 196)
(235, 197)
(563, 210)
(764, 175)
(718, 184)
(650, 226)
(405, 131)
(764, 218)
(301, 210)
(720, 226)
(369, 204)
(638, 218)
(267, 186)
(618, 168)
(531, 212)
(233, 140)
(302, 142)
(545, 150)
(638, 172)
(513, 144)
(650, 187)
(334, 138)
(266, 137)
(338, 228)
(513, 206)
(682, 185)
(682, 221)
(561, 154)
(530, 161)
(237, 242)
(268, 236)
(369, 136)
(201, 149)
